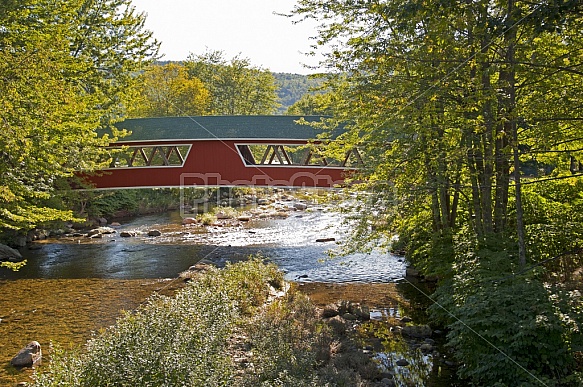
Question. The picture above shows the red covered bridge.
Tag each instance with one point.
(222, 151)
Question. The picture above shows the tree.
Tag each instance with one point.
(314, 104)
(236, 87)
(66, 70)
(168, 91)
(445, 100)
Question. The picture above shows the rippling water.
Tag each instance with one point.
(290, 243)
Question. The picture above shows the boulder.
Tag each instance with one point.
(244, 218)
(223, 215)
(115, 224)
(262, 202)
(93, 232)
(154, 233)
(321, 240)
(361, 311)
(106, 230)
(418, 331)
(349, 317)
(330, 311)
(9, 254)
(127, 234)
(300, 206)
(402, 363)
(28, 355)
(188, 221)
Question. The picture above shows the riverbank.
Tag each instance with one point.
(277, 329)
(55, 297)
(68, 312)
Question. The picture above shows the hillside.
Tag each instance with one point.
(292, 87)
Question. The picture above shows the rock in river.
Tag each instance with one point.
(28, 355)
(418, 331)
(9, 254)
(154, 233)
(300, 206)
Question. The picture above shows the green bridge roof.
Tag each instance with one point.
(219, 127)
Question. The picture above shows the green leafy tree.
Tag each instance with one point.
(167, 90)
(66, 70)
(236, 87)
(446, 100)
(314, 104)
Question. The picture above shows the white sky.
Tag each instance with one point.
(246, 27)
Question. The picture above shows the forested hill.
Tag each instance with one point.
(291, 87)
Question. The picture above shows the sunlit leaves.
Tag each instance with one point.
(167, 90)
(236, 87)
(67, 70)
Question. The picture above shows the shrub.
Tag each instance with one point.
(505, 329)
(170, 341)
(207, 218)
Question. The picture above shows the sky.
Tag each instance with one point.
(246, 27)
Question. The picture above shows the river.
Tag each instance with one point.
(73, 286)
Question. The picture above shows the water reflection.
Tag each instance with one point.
(290, 243)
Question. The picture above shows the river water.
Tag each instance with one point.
(290, 243)
(74, 286)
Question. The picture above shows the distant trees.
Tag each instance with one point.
(66, 69)
(292, 87)
(236, 87)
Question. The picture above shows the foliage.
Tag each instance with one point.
(167, 90)
(446, 101)
(67, 70)
(186, 339)
(168, 342)
(128, 202)
(506, 329)
(293, 87)
(236, 87)
(14, 266)
(314, 104)
(283, 339)
(553, 218)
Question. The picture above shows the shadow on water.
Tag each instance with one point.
(414, 357)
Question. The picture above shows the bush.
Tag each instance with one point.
(505, 329)
(284, 343)
(168, 342)
(188, 339)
